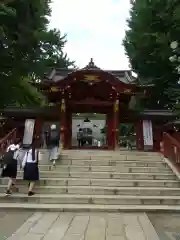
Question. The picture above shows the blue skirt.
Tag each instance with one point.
(31, 172)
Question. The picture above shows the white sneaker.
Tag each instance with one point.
(54, 163)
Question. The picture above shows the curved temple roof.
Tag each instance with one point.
(59, 74)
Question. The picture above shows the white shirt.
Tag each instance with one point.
(28, 158)
(13, 147)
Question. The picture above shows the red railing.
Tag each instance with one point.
(6, 126)
(7, 140)
(172, 150)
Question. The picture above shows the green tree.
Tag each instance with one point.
(152, 26)
(50, 53)
(27, 48)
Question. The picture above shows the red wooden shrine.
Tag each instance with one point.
(92, 90)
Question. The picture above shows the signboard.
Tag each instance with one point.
(28, 131)
(91, 78)
(147, 133)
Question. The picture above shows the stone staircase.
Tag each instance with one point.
(100, 181)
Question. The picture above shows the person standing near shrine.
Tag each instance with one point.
(79, 137)
(52, 142)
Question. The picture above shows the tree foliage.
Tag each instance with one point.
(27, 49)
(152, 26)
(50, 53)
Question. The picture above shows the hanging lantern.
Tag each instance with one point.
(116, 106)
(63, 107)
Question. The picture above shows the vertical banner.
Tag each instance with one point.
(28, 131)
(147, 133)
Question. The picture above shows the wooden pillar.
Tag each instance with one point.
(38, 132)
(157, 136)
(68, 129)
(109, 129)
(63, 124)
(116, 125)
(106, 130)
(139, 136)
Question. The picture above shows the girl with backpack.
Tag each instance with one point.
(10, 162)
(31, 169)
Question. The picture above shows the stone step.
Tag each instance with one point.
(113, 158)
(118, 159)
(91, 180)
(99, 190)
(87, 207)
(111, 163)
(91, 199)
(100, 182)
(106, 175)
(80, 168)
(110, 154)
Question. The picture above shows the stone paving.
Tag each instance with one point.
(16, 225)
(11, 221)
(167, 225)
(86, 226)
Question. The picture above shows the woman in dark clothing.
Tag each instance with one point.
(10, 166)
(31, 169)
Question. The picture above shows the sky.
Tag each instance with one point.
(95, 29)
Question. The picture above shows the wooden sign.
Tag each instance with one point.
(28, 131)
(91, 78)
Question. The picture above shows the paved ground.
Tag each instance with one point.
(11, 221)
(86, 226)
(167, 225)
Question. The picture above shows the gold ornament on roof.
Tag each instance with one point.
(91, 78)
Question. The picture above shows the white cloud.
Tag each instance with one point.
(95, 28)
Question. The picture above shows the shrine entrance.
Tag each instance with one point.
(93, 123)
(89, 130)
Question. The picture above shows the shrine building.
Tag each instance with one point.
(91, 90)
